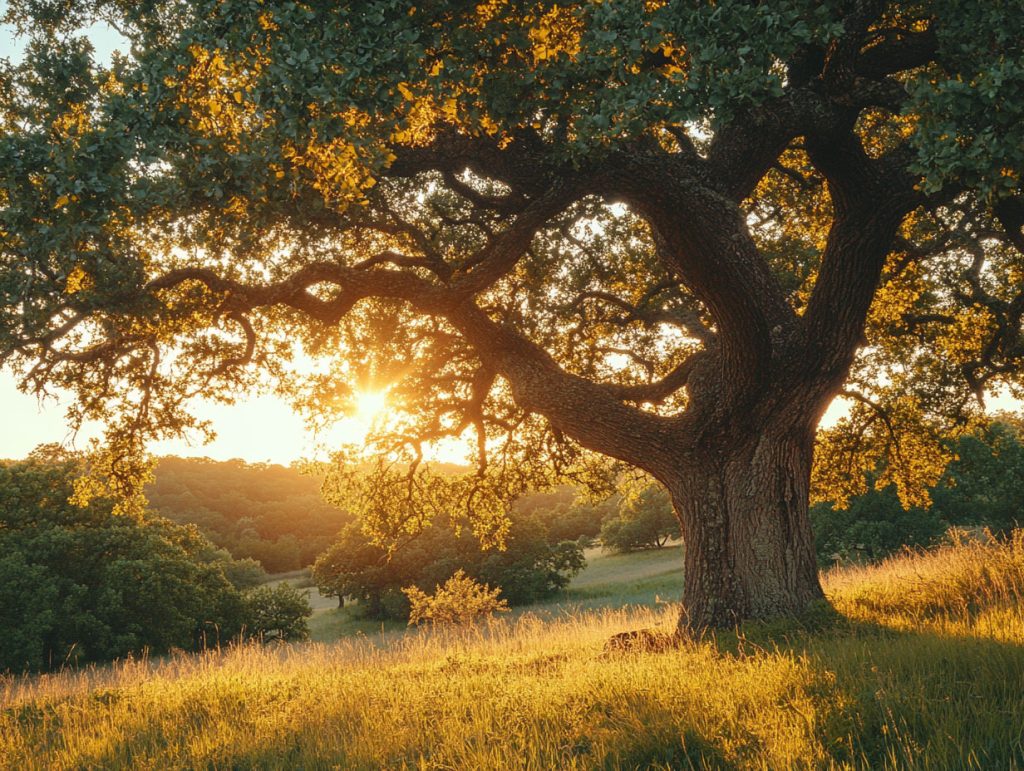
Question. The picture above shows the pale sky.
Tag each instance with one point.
(257, 429)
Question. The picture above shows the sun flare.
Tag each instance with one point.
(370, 405)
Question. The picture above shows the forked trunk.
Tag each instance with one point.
(749, 547)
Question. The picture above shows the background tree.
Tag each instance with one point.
(565, 516)
(28, 612)
(278, 612)
(983, 486)
(644, 520)
(874, 525)
(81, 584)
(352, 567)
(530, 568)
(659, 232)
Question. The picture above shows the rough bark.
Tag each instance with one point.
(749, 547)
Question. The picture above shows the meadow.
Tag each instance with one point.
(651, 577)
(920, 666)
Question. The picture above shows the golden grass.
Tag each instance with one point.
(971, 588)
(925, 671)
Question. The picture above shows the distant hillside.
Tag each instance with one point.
(265, 511)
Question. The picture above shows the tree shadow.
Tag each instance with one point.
(900, 698)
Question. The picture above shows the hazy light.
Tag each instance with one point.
(369, 408)
(370, 405)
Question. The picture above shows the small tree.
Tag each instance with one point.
(244, 573)
(353, 567)
(643, 521)
(278, 612)
(461, 600)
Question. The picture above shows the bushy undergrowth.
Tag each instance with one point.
(460, 601)
(922, 669)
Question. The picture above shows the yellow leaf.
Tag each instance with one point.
(238, 97)
(62, 201)
(404, 89)
(78, 280)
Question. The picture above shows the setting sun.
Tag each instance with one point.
(370, 405)
(365, 411)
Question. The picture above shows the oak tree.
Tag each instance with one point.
(668, 233)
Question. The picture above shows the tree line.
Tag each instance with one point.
(82, 584)
(983, 486)
(266, 512)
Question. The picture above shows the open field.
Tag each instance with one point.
(922, 668)
(609, 581)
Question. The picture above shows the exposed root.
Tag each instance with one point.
(641, 641)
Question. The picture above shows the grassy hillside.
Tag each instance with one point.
(923, 669)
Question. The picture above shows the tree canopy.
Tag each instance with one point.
(79, 584)
(667, 233)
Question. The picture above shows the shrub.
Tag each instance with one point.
(278, 612)
(459, 601)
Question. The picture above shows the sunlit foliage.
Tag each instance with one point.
(427, 199)
(460, 600)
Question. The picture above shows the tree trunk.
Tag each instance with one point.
(749, 548)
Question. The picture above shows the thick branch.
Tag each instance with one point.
(505, 249)
(590, 413)
(704, 239)
(870, 199)
(896, 50)
(354, 284)
(661, 389)
(677, 317)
